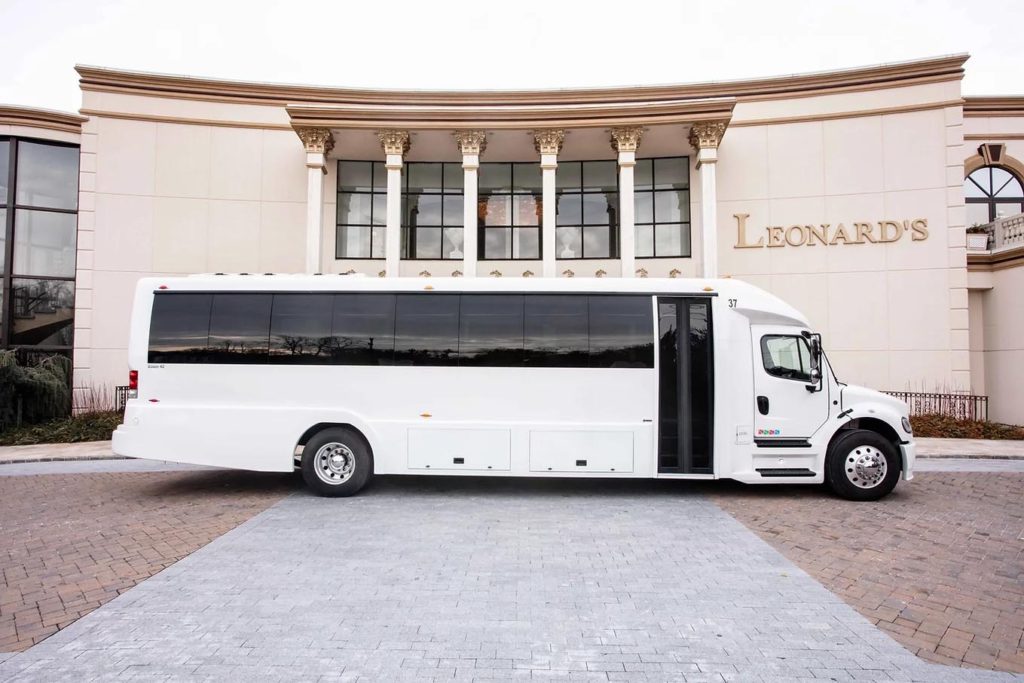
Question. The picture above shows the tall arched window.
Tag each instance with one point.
(992, 192)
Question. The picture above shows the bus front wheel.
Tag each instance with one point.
(336, 462)
(862, 465)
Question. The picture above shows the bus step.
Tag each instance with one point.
(785, 472)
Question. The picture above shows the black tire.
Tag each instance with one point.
(852, 468)
(337, 462)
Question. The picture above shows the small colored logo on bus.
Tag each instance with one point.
(769, 432)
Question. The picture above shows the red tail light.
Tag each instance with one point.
(133, 384)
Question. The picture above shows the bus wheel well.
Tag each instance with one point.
(319, 427)
(880, 427)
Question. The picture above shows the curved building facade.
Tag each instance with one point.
(848, 193)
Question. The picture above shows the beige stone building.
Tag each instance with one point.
(848, 193)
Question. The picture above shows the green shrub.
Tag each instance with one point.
(97, 426)
(34, 392)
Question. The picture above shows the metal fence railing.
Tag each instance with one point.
(120, 397)
(960, 406)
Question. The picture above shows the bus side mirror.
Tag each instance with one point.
(814, 383)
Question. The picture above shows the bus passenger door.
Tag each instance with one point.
(788, 403)
(685, 385)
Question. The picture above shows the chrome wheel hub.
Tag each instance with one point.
(865, 467)
(334, 463)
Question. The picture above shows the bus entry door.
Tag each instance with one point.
(789, 403)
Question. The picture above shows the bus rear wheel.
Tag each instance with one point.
(336, 462)
(862, 465)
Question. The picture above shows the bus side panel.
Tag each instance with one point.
(251, 417)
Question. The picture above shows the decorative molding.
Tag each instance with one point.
(548, 141)
(527, 273)
(985, 262)
(626, 138)
(848, 114)
(424, 273)
(568, 273)
(641, 272)
(495, 273)
(600, 273)
(316, 140)
(675, 272)
(185, 121)
(992, 152)
(1012, 105)
(47, 119)
(900, 74)
(471, 141)
(706, 134)
(456, 273)
(394, 141)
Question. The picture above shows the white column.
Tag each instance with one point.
(707, 159)
(395, 144)
(705, 138)
(625, 141)
(548, 144)
(472, 144)
(318, 143)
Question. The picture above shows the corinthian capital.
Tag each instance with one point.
(394, 141)
(316, 140)
(548, 141)
(626, 138)
(471, 141)
(706, 134)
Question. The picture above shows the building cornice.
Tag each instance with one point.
(885, 75)
(47, 119)
(1011, 105)
(425, 117)
(986, 262)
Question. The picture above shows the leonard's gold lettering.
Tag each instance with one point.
(825, 234)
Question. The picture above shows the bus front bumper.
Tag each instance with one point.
(909, 450)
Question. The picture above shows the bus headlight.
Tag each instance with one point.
(906, 426)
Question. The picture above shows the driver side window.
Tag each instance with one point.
(787, 357)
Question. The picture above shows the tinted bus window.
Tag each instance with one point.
(179, 328)
(621, 332)
(239, 328)
(556, 331)
(363, 332)
(300, 328)
(427, 329)
(491, 330)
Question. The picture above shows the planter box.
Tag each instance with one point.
(977, 241)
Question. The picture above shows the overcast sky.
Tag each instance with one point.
(495, 44)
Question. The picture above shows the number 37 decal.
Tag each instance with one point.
(732, 303)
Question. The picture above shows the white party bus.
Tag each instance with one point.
(350, 376)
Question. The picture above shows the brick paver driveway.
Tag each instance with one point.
(462, 579)
(71, 542)
(939, 564)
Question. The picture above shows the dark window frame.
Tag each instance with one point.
(613, 229)
(654, 222)
(7, 272)
(371, 193)
(990, 199)
(512, 193)
(527, 356)
(408, 232)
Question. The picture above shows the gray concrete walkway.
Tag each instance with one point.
(474, 579)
